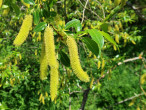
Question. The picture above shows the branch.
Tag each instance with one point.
(113, 12)
(101, 8)
(137, 11)
(129, 98)
(85, 96)
(84, 11)
(75, 92)
(127, 60)
(91, 11)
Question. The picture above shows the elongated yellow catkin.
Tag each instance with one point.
(99, 64)
(143, 78)
(1, 2)
(24, 30)
(50, 47)
(74, 60)
(43, 64)
(117, 38)
(117, 28)
(54, 80)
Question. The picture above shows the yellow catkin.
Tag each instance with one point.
(117, 28)
(143, 79)
(103, 63)
(91, 84)
(117, 38)
(1, 2)
(27, 5)
(53, 83)
(120, 25)
(24, 30)
(115, 48)
(43, 64)
(50, 47)
(6, 11)
(99, 64)
(74, 60)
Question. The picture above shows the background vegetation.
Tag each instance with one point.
(118, 83)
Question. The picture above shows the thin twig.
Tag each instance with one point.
(125, 61)
(91, 11)
(129, 98)
(129, 60)
(75, 92)
(125, 100)
(101, 8)
(84, 11)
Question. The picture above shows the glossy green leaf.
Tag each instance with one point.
(64, 59)
(92, 45)
(31, 2)
(41, 26)
(36, 16)
(74, 23)
(108, 37)
(97, 37)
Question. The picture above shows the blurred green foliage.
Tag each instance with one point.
(20, 85)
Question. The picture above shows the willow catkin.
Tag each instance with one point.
(50, 47)
(117, 38)
(24, 30)
(74, 60)
(1, 2)
(43, 64)
(27, 5)
(54, 83)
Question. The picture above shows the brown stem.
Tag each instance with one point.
(85, 96)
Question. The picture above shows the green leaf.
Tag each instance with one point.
(15, 8)
(5, 6)
(74, 23)
(36, 16)
(64, 59)
(104, 27)
(41, 26)
(108, 37)
(97, 37)
(92, 45)
(31, 2)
